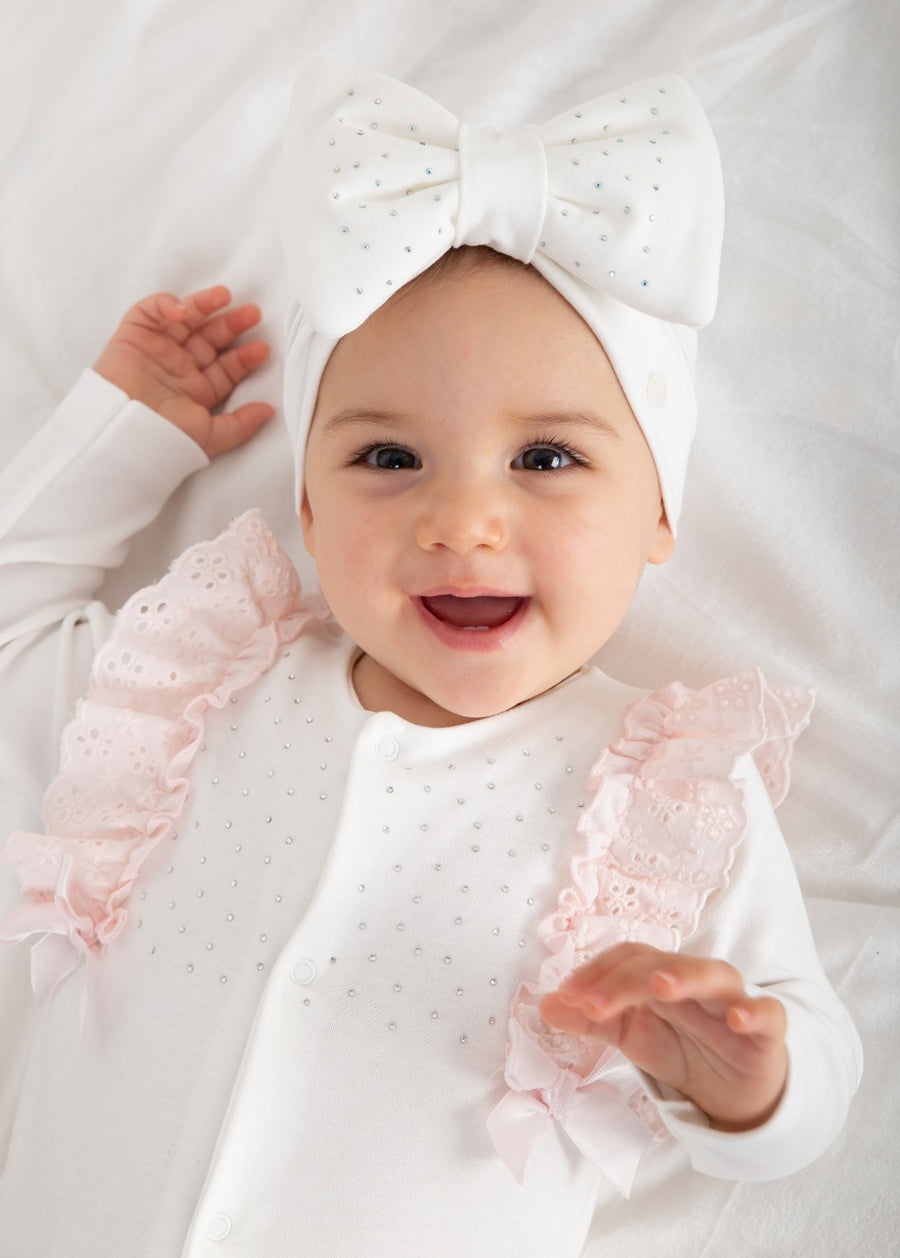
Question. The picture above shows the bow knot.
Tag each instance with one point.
(594, 1111)
(623, 193)
(502, 190)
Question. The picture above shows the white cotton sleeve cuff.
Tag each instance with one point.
(97, 418)
(809, 1116)
(98, 472)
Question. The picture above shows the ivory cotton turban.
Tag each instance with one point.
(618, 203)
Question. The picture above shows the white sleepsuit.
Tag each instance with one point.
(295, 1039)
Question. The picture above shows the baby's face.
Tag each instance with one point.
(479, 497)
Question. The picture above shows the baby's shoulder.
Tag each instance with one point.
(216, 619)
(683, 732)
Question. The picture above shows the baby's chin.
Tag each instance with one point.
(437, 710)
(434, 705)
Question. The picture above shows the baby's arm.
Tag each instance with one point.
(759, 923)
(92, 477)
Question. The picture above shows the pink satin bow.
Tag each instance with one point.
(64, 938)
(593, 1111)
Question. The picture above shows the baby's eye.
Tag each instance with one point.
(390, 458)
(545, 458)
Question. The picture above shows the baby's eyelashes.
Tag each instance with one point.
(388, 457)
(549, 456)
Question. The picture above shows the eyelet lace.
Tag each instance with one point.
(213, 625)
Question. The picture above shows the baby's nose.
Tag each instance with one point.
(461, 518)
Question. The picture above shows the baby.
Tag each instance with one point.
(386, 923)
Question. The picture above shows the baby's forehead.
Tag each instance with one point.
(462, 314)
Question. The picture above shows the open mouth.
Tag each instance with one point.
(479, 613)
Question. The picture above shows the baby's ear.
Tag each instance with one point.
(308, 525)
(664, 543)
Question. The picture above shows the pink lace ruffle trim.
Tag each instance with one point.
(210, 627)
(659, 837)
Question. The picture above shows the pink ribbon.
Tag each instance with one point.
(593, 1111)
(64, 938)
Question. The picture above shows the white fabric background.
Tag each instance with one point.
(138, 150)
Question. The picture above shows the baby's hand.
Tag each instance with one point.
(179, 361)
(688, 1022)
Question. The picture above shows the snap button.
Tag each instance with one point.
(303, 971)
(387, 747)
(218, 1227)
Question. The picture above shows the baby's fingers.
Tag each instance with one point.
(705, 980)
(200, 305)
(214, 336)
(760, 1020)
(557, 1013)
(233, 429)
(179, 316)
(168, 307)
(633, 974)
(227, 370)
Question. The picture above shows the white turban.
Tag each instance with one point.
(618, 203)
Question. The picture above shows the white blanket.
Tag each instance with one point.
(139, 142)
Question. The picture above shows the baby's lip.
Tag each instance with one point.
(472, 611)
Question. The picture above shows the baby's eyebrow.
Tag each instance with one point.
(569, 419)
(545, 420)
(363, 415)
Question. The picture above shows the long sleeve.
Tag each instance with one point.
(98, 472)
(759, 924)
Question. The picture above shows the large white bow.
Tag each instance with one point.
(624, 193)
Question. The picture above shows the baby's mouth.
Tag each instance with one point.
(480, 612)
